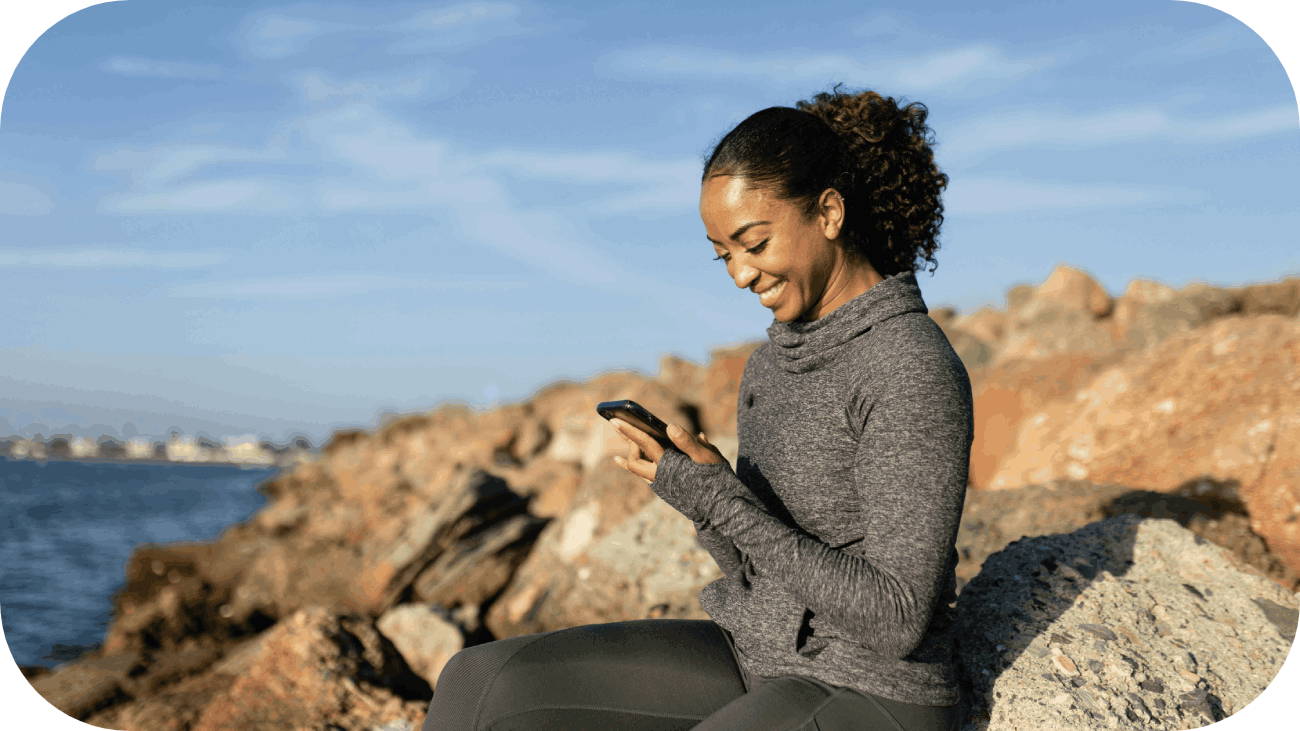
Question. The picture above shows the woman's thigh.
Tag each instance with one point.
(651, 675)
(792, 703)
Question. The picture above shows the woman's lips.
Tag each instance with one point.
(769, 295)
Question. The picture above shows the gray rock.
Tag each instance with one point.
(1097, 629)
(425, 639)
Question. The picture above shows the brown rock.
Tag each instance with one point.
(475, 498)
(647, 566)
(85, 686)
(426, 640)
(475, 568)
(986, 323)
(318, 668)
(974, 353)
(1150, 312)
(943, 316)
(721, 386)
(177, 708)
(1281, 298)
(1044, 328)
(1075, 289)
(1208, 403)
(681, 376)
(1008, 391)
(551, 484)
(1274, 502)
(1019, 296)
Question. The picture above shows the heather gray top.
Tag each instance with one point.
(836, 532)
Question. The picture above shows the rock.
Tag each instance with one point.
(317, 668)
(717, 395)
(943, 316)
(1075, 289)
(551, 484)
(975, 354)
(476, 567)
(991, 519)
(1209, 403)
(177, 708)
(1126, 622)
(1045, 327)
(681, 376)
(621, 554)
(1149, 312)
(1019, 296)
(986, 323)
(1281, 298)
(82, 687)
(1009, 391)
(473, 500)
(425, 639)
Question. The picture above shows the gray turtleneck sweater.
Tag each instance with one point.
(836, 531)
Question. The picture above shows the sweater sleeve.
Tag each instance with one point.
(911, 468)
(720, 547)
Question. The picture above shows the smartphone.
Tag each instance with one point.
(637, 415)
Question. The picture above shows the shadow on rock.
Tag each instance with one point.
(1127, 621)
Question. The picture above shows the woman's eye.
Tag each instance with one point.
(758, 249)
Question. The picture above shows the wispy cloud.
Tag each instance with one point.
(222, 195)
(104, 258)
(333, 285)
(130, 66)
(943, 70)
(994, 195)
(165, 163)
(318, 87)
(450, 27)
(363, 159)
(276, 36)
(20, 199)
(1026, 128)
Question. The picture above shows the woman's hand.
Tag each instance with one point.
(644, 452)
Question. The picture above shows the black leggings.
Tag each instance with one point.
(648, 675)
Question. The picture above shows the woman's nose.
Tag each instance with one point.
(745, 276)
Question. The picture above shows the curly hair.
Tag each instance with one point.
(876, 154)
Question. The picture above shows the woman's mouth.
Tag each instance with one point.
(769, 295)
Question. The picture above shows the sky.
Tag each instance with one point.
(281, 219)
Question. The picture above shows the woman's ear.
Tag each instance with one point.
(832, 206)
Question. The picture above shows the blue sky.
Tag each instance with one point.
(283, 218)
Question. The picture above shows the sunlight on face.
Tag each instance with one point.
(796, 265)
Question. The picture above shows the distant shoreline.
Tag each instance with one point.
(107, 460)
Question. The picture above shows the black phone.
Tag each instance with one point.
(637, 415)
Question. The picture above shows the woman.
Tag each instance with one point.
(836, 531)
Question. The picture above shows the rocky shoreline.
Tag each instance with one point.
(1129, 548)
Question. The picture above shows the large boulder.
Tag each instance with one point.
(1127, 622)
(318, 668)
(1212, 403)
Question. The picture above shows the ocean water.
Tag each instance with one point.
(67, 529)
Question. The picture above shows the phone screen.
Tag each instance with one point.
(638, 416)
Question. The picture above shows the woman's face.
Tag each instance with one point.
(796, 266)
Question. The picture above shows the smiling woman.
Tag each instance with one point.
(836, 530)
(820, 201)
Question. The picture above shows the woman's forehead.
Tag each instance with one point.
(732, 193)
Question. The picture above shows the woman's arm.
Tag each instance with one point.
(720, 547)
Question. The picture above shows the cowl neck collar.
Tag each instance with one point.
(805, 346)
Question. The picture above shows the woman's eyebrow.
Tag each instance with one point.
(740, 231)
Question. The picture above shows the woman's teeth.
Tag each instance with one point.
(767, 297)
